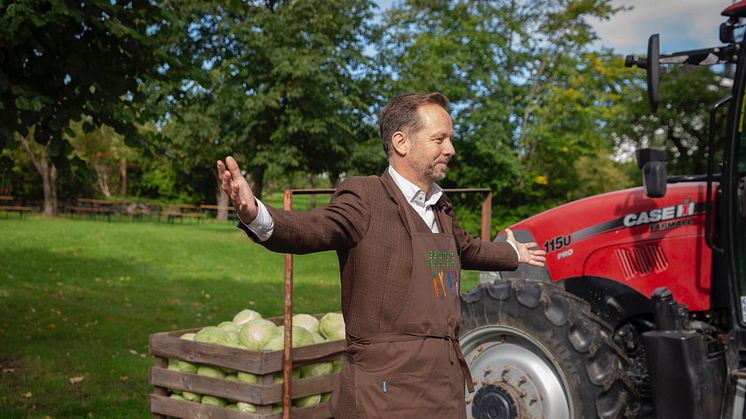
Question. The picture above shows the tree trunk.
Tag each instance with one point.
(334, 178)
(223, 201)
(312, 183)
(49, 184)
(46, 168)
(123, 176)
(102, 177)
(257, 180)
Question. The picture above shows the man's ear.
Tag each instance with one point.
(401, 143)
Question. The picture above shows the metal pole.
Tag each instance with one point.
(486, 216)
(287, 360)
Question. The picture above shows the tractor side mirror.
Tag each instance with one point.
(742, 198)
(654, 71)
(653, 66)
(652, 162)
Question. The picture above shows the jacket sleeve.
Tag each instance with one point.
(339, 225)
(478, 254)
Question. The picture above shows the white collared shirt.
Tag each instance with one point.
(422, 204)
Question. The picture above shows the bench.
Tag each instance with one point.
(92, 207)
(181, 211)
(210, 208)
(7, 206)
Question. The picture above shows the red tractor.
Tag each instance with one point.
(641, 309)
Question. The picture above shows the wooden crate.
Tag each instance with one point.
(263, 364)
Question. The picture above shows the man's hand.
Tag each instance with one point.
(238, 190)
(525, 253)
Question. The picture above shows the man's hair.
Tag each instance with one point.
(400, 114)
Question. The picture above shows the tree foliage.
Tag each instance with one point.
(681, 123)
(62, 60)
(281, 83)
(528, 97)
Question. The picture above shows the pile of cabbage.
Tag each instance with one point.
(249, 330)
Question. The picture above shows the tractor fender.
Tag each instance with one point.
(609, 299)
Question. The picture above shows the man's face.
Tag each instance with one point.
(432, 145)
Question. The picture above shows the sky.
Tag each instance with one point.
(682, 24)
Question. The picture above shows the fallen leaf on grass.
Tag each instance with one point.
(76, 380)
(124, 378)
(27, 395)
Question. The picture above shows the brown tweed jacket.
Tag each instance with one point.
(368, 229)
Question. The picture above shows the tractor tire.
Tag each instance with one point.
(536, 351)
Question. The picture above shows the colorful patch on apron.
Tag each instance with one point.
(446, 275)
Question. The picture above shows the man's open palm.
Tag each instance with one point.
(234, 184)
(526, 253)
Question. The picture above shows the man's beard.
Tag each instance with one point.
(431, 174)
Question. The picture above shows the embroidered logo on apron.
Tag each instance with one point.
(446, 273)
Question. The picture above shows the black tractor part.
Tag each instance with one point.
(687, 371)
(535, 350)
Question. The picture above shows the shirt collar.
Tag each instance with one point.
(414, 194)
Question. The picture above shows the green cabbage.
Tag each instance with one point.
(255, 333)
(246, 407)
(185, 366)
(332, 326)
(245, 316)
(208, 371)
(277, 377)
(212, 334)
(317, 338)
(316, 370)
(233, 339)
(192, 397)
(307, 322)
(213, 401)
(308, 401)
(246, 377)
(229, 326)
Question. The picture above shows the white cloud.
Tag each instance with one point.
(682, 25)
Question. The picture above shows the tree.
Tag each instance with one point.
(61, 60)
(282, 83)
(105, 152)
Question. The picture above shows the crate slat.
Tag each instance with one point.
(238, 391)
(189, 410)
(168, 345)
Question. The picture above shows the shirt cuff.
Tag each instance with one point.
(518, 254)
(263, 225)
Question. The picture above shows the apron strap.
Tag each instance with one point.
(406, 336)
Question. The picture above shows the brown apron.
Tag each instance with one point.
(417, 370)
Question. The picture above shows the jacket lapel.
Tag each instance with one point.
(445, 218)
(395, 194)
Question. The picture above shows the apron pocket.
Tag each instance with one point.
(426, 393)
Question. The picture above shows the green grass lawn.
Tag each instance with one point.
(79, 298)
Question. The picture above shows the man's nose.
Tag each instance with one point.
(449, 149)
